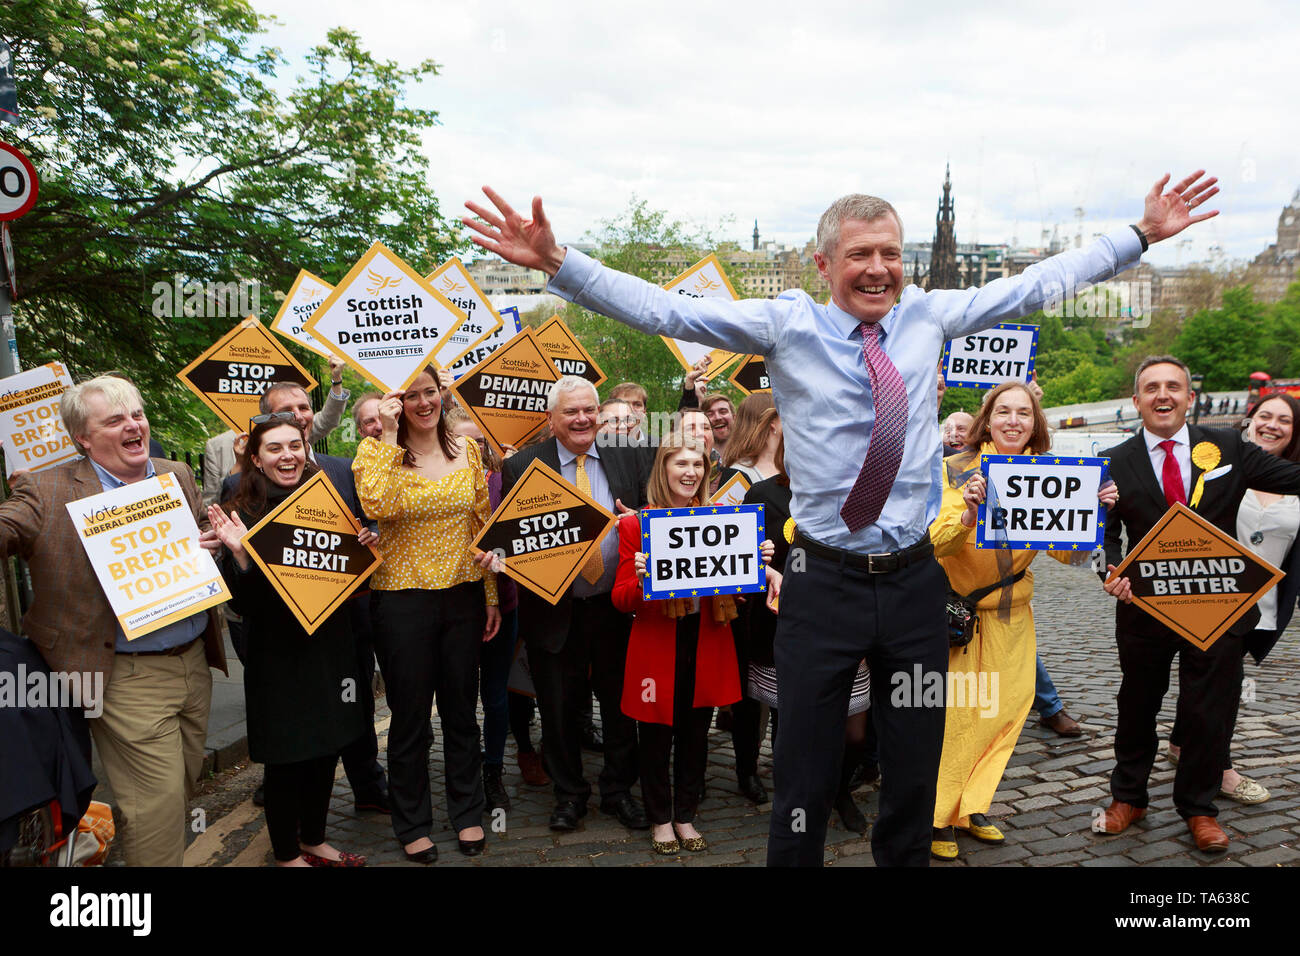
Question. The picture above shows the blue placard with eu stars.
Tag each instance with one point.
(1042, 502)
(986, 359)
(702, 551)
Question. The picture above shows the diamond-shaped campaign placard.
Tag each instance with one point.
(1042, 502)
(732, 492)
(481, 320)
(232, 374)
(505, 394)
(564, 349)
(31, 425)
(989, 358)
(750, 375)
(385, 320)
(702, 551)
(1193, 578)
(704, 280)
(303, 298)
(545, 531)
(308, 549)
(510, 327)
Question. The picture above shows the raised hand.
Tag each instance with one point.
(973, 494)
(390, 410)
(525, 242)
(1166, 214)
(229, 529)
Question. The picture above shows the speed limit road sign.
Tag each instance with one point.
(17, 183)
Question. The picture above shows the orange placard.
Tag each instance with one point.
(704, 280)
(309, 551)
(732, 492)
(1193, 578)
(231, 376)
(750, 375)
(564, 349)
(505, 393)
(545, 530)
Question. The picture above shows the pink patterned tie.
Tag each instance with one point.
(888, 434)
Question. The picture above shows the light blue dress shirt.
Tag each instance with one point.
(173, 635)
(819, 376)
(595, 470)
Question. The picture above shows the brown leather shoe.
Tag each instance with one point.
(530, 767)
(1207, 833)
(1063, 724)
(1119, 815)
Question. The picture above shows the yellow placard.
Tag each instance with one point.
(1193, 578)
(750, 375)
(454, 281)
(232, 374)
(385, 320)
(732, 491)
(564, 349)
(545, 530)
(31, 425)
(704, 280)
(309, 551)
(303, 298)
(505, 393)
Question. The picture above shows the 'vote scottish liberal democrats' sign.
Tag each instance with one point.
(989, 358)
(1045, 502)
(700, 552)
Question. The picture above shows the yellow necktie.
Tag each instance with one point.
(594, 567)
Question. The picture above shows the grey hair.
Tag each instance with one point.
(118, 393)
(852, 206)
(949, 427)
(568, 383)
(1151, 360)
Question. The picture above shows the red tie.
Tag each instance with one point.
(888, 434)
(1172, 476)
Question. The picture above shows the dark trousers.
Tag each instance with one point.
(428, 646)
(745, 717)
(1176, 736)
(361, 757)
(495, 658)
(832, 616)
(686, 741)
(597, 645)
(297, 801)
(1209, 691)
(522, 709)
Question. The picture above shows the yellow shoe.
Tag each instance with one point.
(983, 830)
(943, 844)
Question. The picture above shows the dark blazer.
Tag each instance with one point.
(627, 470)
(1142, 503)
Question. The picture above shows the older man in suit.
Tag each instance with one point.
(1158, 466)
(583, 632)
(157, 689)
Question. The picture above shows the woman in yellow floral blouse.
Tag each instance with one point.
(431, 607)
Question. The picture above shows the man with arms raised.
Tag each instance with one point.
(856, 384)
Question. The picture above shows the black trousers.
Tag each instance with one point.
(832, 616)
(1209, 692)
(297, 801)
(1176, 733)
(428, 646)
(361, 757)
(686, 741)
(597, 645)
(745, 716)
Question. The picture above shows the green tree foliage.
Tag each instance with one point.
(170, 145)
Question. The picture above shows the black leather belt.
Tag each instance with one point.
(176, 651)
(885, 563)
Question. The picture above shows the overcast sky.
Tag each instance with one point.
(768, 111)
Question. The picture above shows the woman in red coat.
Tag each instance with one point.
(681, 659)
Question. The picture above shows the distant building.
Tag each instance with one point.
(1274, 269)
(944, 271)
(497, 277)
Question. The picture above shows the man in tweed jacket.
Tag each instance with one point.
(151, 723)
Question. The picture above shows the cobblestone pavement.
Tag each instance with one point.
(1044, 805)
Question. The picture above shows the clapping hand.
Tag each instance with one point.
(229, 530)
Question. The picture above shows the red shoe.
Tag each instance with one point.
(345, 859)
(1207, 833)
(1119, 815)
(530, 766)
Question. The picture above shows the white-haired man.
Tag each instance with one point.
(583, 632)
(157, 688)
(855, 377)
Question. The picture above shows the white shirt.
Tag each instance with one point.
(1182, 454)
(1269, 532)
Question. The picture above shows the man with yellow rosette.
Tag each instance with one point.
(1209, 470)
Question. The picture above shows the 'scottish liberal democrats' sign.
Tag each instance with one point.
(699, 552)
(989, 358)
(1044, 502)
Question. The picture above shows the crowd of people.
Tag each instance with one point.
(870, 528)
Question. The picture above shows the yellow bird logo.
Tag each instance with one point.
(450, 285)
(378, 283)
(310, 292)
(705, 284)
